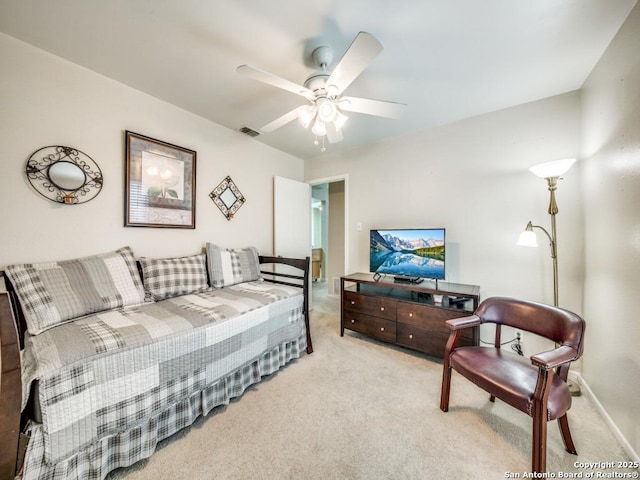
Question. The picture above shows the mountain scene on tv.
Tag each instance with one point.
(410, 253)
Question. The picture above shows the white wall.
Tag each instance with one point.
(611, 197)
(472, 178)
(46, 100)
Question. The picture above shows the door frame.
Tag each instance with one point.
(339, 178)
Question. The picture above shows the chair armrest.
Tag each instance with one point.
(456, 325)
(554, 358)
(463, 322)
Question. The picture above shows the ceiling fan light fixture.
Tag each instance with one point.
(340, 119)
(306, 114)
(319, 127)
(326, 110)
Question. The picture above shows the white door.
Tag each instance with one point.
(292, 218)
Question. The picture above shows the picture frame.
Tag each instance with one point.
(160, 183)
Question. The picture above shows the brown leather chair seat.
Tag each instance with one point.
(509, 377)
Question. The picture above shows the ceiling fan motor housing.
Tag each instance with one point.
(316, 83)
(322, 57)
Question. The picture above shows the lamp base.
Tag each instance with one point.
(574, 388)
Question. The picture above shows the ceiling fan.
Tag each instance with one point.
(323, 90)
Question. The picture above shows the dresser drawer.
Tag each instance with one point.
(426, 316)
(376, 306)
(372, 326)
(412, 337)
(430, 342)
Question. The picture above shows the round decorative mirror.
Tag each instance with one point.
(67, 175)
(64, 175)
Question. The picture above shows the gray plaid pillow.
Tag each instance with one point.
(57, 292)
(228, 266)
(171, 277)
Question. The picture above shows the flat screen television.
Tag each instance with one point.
(408, 254)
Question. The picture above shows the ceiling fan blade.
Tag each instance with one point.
(372, 107)
(333, 134)
(274, 80)
(364, 48)
(280, 121)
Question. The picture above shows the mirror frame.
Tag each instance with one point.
(43, 159)
(227, 185)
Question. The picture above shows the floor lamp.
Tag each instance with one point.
(551, 172)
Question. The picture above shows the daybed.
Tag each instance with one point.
(104, 356)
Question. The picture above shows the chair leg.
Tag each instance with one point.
(446, 387)
(492, 398)
(563, 424)
(539, 444)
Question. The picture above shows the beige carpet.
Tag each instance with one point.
(360, 409)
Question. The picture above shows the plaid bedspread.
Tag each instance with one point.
(110, 372)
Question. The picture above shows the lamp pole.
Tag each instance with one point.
(551, 172)
(553, 211)
(554, 253)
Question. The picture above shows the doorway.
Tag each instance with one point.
(329, 233)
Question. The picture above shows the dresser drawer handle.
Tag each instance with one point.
(382, 329)
(411, 314)
(382, 309)
(353, 321)
(410, 336)
(353, 302)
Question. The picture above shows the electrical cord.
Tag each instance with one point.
(516, 344)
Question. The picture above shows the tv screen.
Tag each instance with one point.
(408, 254)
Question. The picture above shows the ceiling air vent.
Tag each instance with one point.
(249, 131)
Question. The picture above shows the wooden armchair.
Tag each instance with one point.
(537, 387)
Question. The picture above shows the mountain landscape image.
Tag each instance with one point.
(416, 253)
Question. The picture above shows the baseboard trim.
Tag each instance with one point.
(584, 386)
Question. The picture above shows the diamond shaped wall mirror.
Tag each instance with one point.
(227, 197)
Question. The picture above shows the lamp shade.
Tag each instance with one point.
(528, 239)
(306, 114)
(319, 128)
(552, 169)
(340, 120)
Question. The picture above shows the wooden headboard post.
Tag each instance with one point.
(10, 390)
(299, 280)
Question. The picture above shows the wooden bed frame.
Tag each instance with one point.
(13, 443)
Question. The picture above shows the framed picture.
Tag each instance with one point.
(160, 184)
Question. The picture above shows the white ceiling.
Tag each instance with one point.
(446, 59)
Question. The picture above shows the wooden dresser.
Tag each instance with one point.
(406, 314)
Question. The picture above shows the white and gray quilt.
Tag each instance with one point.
(108, 380)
